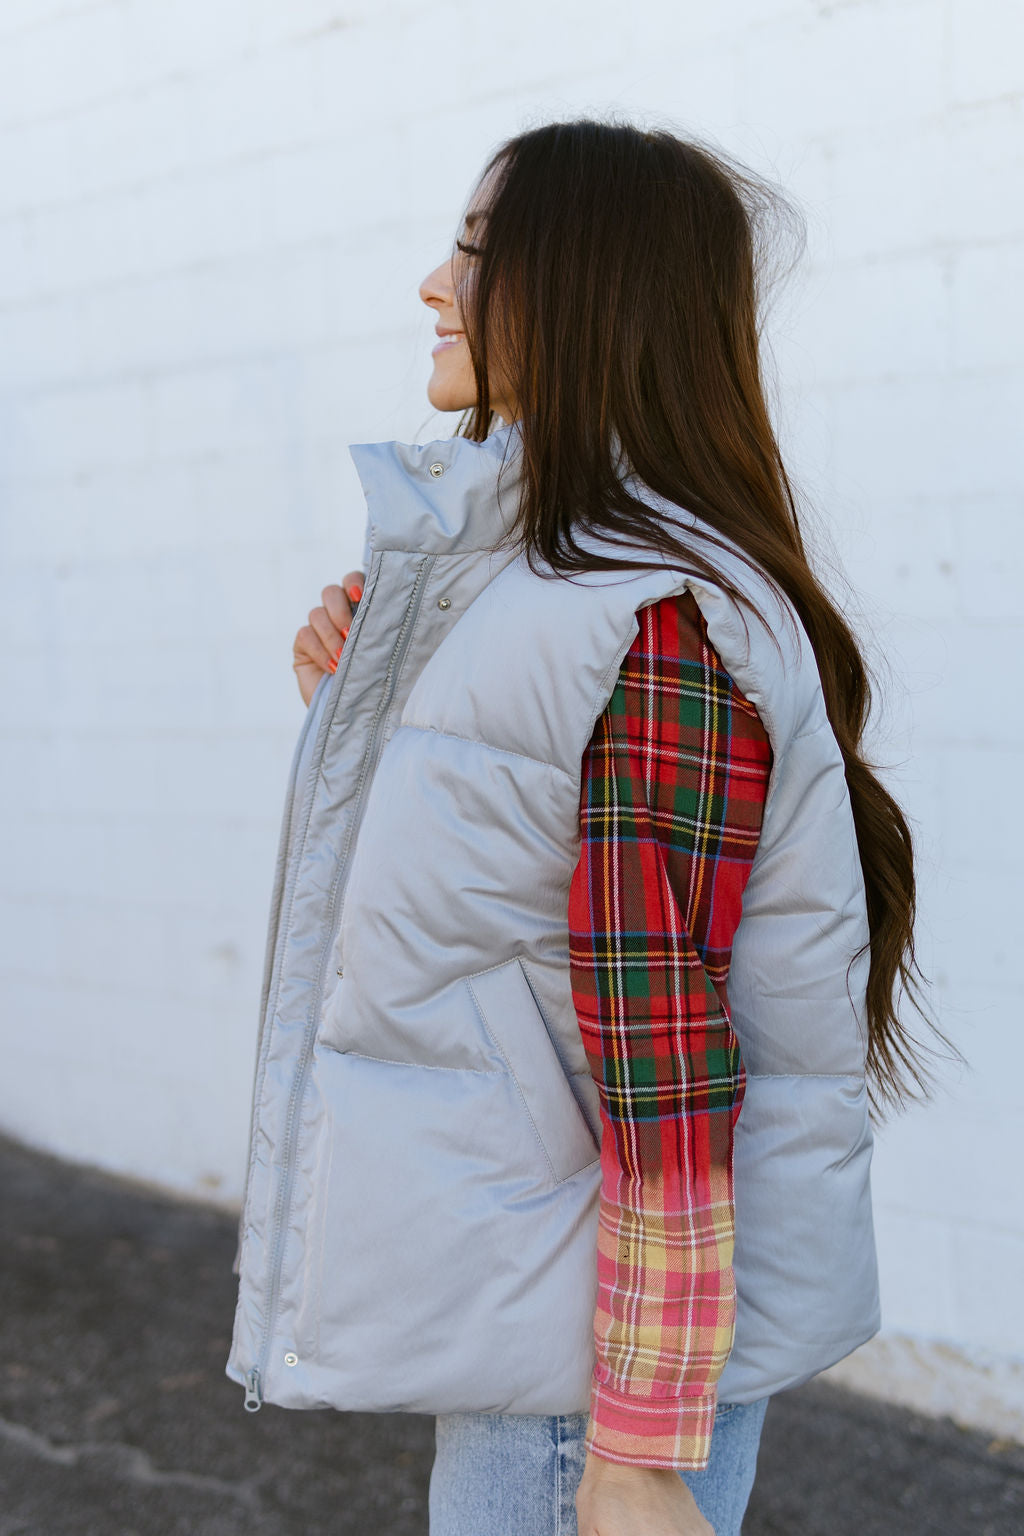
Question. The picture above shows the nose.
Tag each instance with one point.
(437, 287)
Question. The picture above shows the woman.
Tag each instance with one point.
(580, 857)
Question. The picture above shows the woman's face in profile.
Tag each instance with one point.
(452, 383)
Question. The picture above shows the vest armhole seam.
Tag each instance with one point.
(603, 691)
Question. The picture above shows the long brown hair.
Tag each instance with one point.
(616, 282)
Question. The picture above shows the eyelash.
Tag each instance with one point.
(468, 250)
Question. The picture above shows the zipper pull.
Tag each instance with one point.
(253, 1395)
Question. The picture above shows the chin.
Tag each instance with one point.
(449, 399)
(452, 383)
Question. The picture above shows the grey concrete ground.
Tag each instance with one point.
(116, 1418)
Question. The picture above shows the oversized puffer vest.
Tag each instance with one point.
(420, 1224)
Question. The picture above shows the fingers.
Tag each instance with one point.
(336, 607)
(340, 601)
(331, 635)
(321, 640)
(319, 646)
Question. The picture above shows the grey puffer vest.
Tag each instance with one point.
(419, 1228)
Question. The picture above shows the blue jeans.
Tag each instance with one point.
(516, 1474)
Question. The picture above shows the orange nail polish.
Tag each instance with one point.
(344, 636)
(337, 654)
(355, 592)
(332, 666)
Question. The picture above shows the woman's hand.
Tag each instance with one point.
(318, 644)
(614, 1499)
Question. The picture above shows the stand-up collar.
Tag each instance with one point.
(441, 496)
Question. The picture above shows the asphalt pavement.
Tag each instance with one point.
(116, 1418)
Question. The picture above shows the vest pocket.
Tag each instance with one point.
(512, 1019)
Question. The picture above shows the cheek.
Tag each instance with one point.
(456, 363)
(453, 379)
(464, 364)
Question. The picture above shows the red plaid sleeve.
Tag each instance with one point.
(672, 799)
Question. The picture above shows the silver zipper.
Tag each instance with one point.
(273, 930)
(285, 892)
(254, 1398)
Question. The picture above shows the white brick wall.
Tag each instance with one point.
(212, 224)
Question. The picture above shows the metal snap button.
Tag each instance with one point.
(291, 1359)
(444, 602)
(341, 972)
(437, 470)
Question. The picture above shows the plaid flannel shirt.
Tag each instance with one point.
(672, 799)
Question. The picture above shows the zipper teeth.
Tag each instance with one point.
(288, 881)
(276, 908)
(283, 1202)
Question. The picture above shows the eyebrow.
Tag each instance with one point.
(471, 218)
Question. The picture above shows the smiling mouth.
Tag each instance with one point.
(451, 340)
